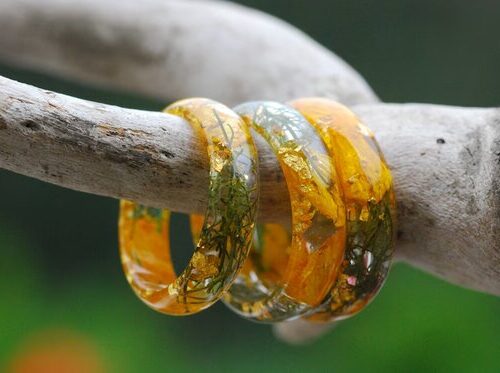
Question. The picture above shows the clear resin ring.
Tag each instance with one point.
(226, 230)
(366, 184)
(288, 274)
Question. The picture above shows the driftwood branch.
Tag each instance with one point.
(446, 160)
(149, 157)
(174, 49)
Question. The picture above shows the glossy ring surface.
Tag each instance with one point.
(226, 229)
(367, 187)
(288, 274)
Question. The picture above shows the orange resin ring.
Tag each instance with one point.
(284, 276)
(366, 183)
(226, 230)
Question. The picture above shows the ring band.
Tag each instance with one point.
(367, 187)
(282, 279)
(226, 231)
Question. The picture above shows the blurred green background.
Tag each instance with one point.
(60, 269)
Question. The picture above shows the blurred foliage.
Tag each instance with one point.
(60, 268)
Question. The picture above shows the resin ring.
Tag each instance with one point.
(284, 278)
(366, 184)
(226, 232)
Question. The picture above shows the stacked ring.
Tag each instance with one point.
(226, 230)
(285, 278)
(366, 183)
(328, 265)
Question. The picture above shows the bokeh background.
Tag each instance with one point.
(61, 285)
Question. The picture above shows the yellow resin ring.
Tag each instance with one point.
(284, 278)
(226, 230)
(366, 184)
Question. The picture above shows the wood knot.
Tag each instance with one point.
(30, 124)
(3, 125)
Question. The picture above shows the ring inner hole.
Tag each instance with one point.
(181, 244)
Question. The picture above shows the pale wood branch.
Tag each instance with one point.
(149, 157)
(175, 49)
(445, 160)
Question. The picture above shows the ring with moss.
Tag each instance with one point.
(290, 271)
(366, 184)
(226, 229)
